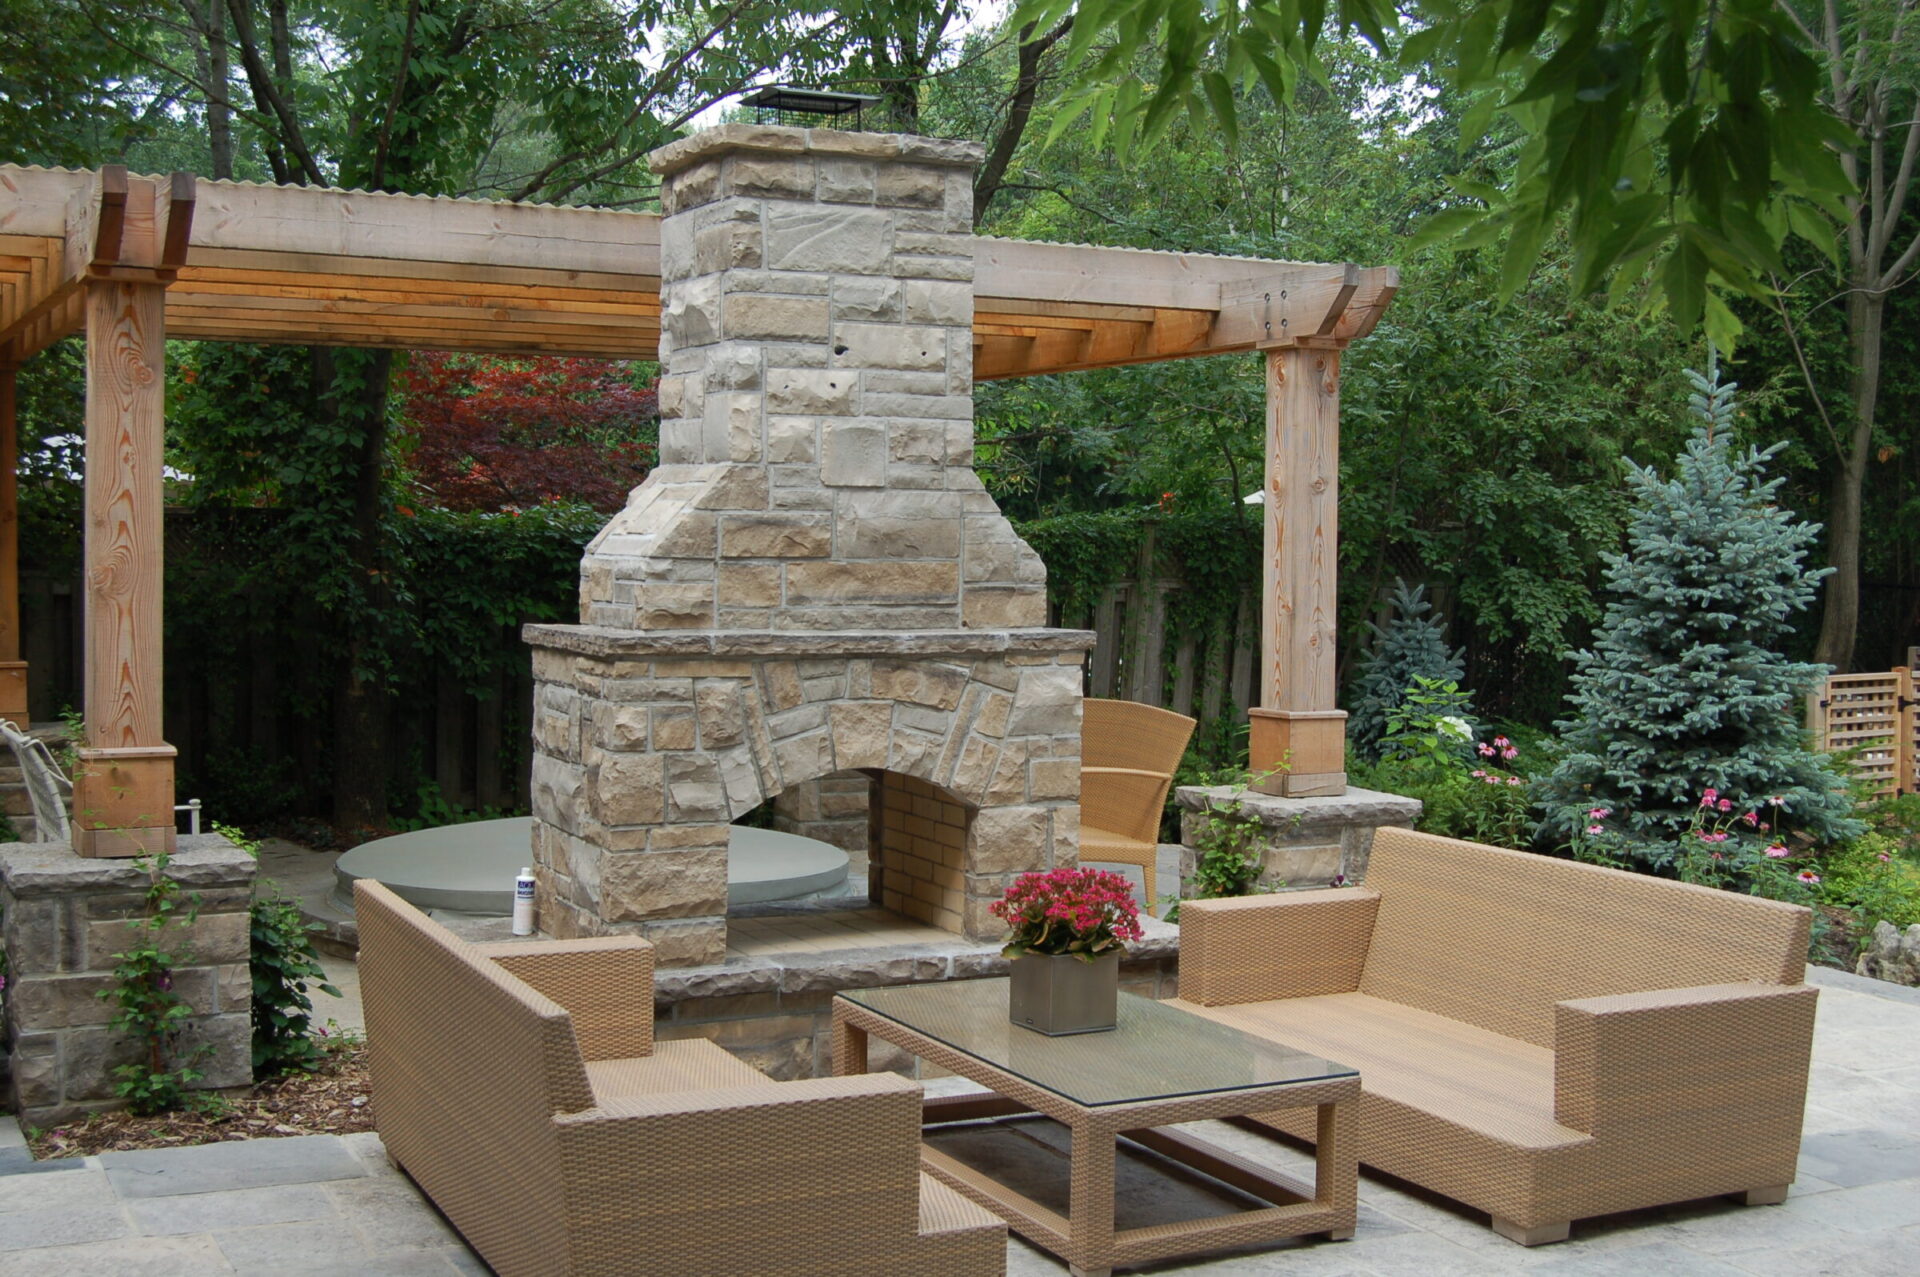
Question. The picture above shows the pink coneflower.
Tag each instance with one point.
(1778, 852)
(1596, 829)
(1808, 877)
(1725, 804)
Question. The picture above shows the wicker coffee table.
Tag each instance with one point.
(1161, 1066)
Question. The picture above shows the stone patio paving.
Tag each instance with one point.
(325, 1204)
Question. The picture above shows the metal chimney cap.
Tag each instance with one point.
(786, 97)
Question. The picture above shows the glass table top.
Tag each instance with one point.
(1158, 1051)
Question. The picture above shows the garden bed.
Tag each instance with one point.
(335, 1099)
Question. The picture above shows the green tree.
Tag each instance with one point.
(1410, 646)
(1679, 142)
(1685, 689)
(1870, 55)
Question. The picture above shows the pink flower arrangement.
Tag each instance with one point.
(1084, 912)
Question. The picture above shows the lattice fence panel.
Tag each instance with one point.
(1873, 714)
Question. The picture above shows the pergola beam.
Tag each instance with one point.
(314, 266)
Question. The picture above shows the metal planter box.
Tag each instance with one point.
(1057, 995)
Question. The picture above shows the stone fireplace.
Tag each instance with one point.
(813, 580)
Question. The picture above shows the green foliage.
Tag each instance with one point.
(147, 1009)
(1871, 877)
(1685, 689)
(435, 811)
(1411, 648)
(1668, 157)
(284, 966)
(1228, 855)
(1427, 753)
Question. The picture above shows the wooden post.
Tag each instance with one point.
(134, 244)
(13, 670)
(1298, 739)
(123, 794)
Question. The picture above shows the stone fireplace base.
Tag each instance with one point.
(648, 744)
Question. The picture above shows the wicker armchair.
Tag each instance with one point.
(520, 1085)
(1128, 753)
(1543, 1040)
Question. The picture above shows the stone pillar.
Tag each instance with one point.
(63, 917)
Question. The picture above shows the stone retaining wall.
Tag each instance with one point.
(1305, 842)
(776, 1013)
(65, 916)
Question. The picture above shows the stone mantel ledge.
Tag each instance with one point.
(857, 968)
(41, 868)
(778, 140)
(1302, 815)
(606, 642)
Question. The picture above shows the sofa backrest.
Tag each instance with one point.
(469, 1067)
(1495, 938)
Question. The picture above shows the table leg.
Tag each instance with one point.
(1337, 1163)
(849, 1047)
(1090, 1200)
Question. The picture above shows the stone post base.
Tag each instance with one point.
(65, 916)
(1305, 842)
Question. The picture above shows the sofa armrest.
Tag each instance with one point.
(1292, 944)
(829, 1145)
(1717, 1057)
(605, 983)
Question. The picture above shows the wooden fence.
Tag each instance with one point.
(247, 744)
(1873, 714)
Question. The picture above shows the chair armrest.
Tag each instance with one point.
(1124, 800)
(822, 1143)
(1292, 944)
(605, 983)
(1714, 1058)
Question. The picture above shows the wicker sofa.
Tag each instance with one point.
(520, 1085)
(1542, 1040)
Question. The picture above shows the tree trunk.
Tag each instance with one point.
(1840, 622)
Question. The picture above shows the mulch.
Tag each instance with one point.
(335, 1099)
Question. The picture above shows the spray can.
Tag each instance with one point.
(523, 903)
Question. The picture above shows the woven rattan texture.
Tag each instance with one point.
(693, 1065)
(1685, 1078)
(1293, 945)
(1128, 754)
(469, 1065)
(606, 985)
(685, 1161)
(1497, 937)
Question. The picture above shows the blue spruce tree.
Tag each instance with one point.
(1412, 645)
(1685, 688)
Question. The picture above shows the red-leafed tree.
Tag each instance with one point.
(486, 433)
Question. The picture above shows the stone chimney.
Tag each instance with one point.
(813, 580)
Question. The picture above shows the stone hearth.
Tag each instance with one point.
(813, 580)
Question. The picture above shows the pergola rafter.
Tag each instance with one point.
(131, 261)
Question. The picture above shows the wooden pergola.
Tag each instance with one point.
(130, 261)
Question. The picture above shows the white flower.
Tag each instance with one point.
(1458, 728)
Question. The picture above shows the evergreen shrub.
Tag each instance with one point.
(1685, 689)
